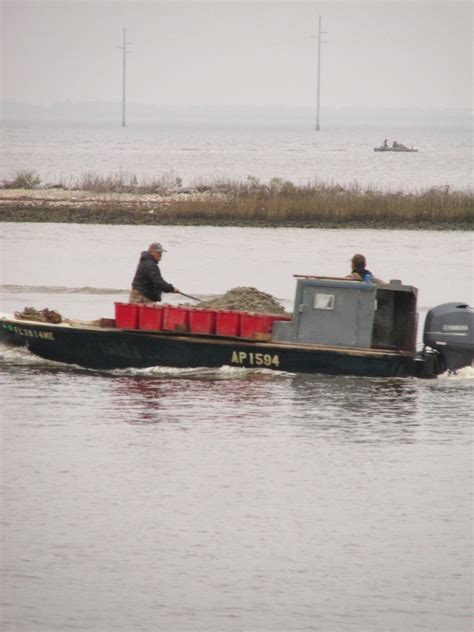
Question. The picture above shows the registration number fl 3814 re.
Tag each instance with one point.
(244, 358)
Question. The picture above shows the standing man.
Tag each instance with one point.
(148, 284)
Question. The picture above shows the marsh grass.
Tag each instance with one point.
(280, 202)
(123, 183)
(331, 205)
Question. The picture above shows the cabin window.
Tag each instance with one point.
(324, 301)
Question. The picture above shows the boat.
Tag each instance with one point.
(338, 326)
(396, 147)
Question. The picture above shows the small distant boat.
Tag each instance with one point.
(395, 147)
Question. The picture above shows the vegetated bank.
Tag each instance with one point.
(278, 204)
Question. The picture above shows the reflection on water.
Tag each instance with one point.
(361, 410)
(353, 410)
(349, 409)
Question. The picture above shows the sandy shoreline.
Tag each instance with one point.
(75, 206)
(57, 198)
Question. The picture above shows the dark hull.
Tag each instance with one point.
(109, 348)
(394, 149)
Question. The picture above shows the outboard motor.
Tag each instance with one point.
(449, 329)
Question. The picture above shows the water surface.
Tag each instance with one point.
(167, 499)
(194, 153)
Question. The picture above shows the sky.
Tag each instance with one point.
(379, 54)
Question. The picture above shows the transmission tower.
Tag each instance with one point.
(318, 90)
(124, 75)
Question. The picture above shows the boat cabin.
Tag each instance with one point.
(348, 313)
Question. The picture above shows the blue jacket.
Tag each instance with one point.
(148, 279)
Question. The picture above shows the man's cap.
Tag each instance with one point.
(157, 247)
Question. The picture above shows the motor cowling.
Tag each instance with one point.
(449, 329)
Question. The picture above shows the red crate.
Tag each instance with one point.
(126, 315)
(252, 324)
(150, 317)
(202, 321)
(175, 318)
(227, 323)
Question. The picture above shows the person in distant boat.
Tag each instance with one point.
(394, 144)
(360, 272)
(385, 142)
(148, 284)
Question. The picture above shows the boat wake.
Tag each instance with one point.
(466, 373)
(461, 380)
(200, 373)
(21, 356)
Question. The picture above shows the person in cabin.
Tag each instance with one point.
(395, 144)
(360, 272)
(148, 284)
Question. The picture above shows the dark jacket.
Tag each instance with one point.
(148, 279)
(365, 275)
